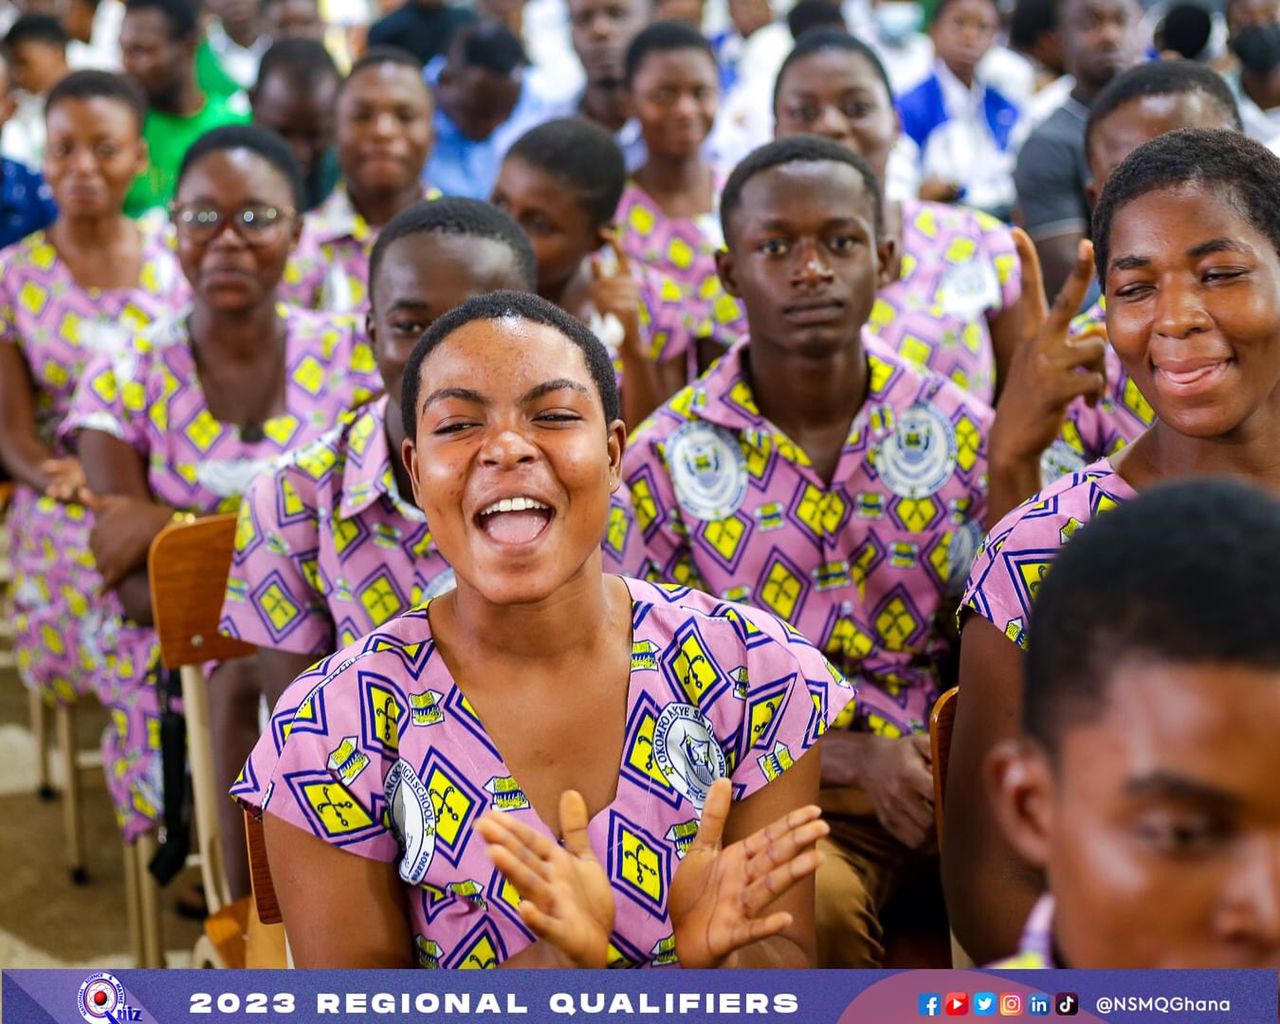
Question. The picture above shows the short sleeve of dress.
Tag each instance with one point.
(273, 597)
(990, 593)
(112, 397)
(997, 244)
(789, 696)
(323, 763)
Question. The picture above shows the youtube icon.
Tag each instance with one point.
(957, 1004)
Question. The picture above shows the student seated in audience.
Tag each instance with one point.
(67, 294)
(158, 42)
(515, 446)
(26, 202)
(1046, 427)
(1188, 252)
(237, 37)
(38, 49)
(1141, 104)
(1143, 784)
(814, 473)
(667, 215)
(295, 96)
(331, 545)
(962, 124)
(181, 418)
(562, 182)
(384, 137)
(601, 31)
(950, 298)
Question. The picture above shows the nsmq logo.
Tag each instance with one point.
(101, 1001)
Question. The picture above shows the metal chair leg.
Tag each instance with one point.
(72, 794)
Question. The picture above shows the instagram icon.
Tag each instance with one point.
(1010, 1004)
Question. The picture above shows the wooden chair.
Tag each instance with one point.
(941, 722)
(70, 761)
(187, 570)
(268, 946)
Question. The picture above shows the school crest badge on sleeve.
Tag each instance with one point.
(685, 748)
(708, 470)
(969, 289)
(413, 817)
(919, 455)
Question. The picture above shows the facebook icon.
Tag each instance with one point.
(930, 1004)
(1038, 1005)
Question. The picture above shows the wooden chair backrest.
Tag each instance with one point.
(187, 569)
(941, 722)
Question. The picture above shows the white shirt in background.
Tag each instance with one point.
(102, 51)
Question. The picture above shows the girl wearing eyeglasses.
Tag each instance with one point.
(68, 293)
(181, 419)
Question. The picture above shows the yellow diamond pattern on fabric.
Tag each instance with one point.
(344, 532)
(960, 250)
(56, 374)
(848, 643)
(33, 297)
(616, 532)
(380, 600)
(781, 590)
(640, 865)
(452, 805)
(640, 756)
(725, 535)
(680, 253)
(245, 531)
(276, 605)
(203, 431)
(69, 328)
(880, 374)
(310, 375)
(1006, 264)
(1137, 404)
(821, 511)
(1033, 574)
(316, 460)
(896, 624)
(292, 503)
(968, 443)
(761, 713)
(726, 308)
(927, 223)
(694, 669)
(740, 396)
(641, 219)
(882, 314)
(481, 956)
(915, 350)
(337, 809)
(386, 715)
(104, 386)
(916, 514)
(642, 503)
(281, 429)
(43, 255)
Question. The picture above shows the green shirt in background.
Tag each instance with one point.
(169, 137)
(211, 76)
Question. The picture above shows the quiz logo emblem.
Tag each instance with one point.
(101, 1000)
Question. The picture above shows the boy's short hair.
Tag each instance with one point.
(181, 15)
(1182, 574)
(88, 85)
(1161, 78)
(376, 56)
(1258, 48)
(305, 62)
(791, 150)
(583, 157)
(809, 16)
(1228, 162)
(501, 306)
(488, 45)
(456, 216)
(1031, 20)
(663, 37)
(36, 28)
(823, 40)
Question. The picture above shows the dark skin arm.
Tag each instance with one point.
(126, 519)
(276, 669)
(28, 459)
(356, 889)
(988, 887)
(1006, 336)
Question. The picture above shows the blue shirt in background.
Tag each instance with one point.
(26, 202)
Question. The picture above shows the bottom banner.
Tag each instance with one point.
(688, 997)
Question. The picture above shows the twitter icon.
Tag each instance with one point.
(984, 1004)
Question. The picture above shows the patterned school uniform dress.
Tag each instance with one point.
(149, 395)
(1017, 554)
(327, 550)
(329, 268)
(1119, 418)
(683, 250)
(377, 751)
(57, 326)
(959, 272)
(868, 566)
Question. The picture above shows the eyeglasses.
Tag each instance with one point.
(256, 224)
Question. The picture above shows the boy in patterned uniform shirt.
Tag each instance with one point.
(1154, 640)
(820, 476)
